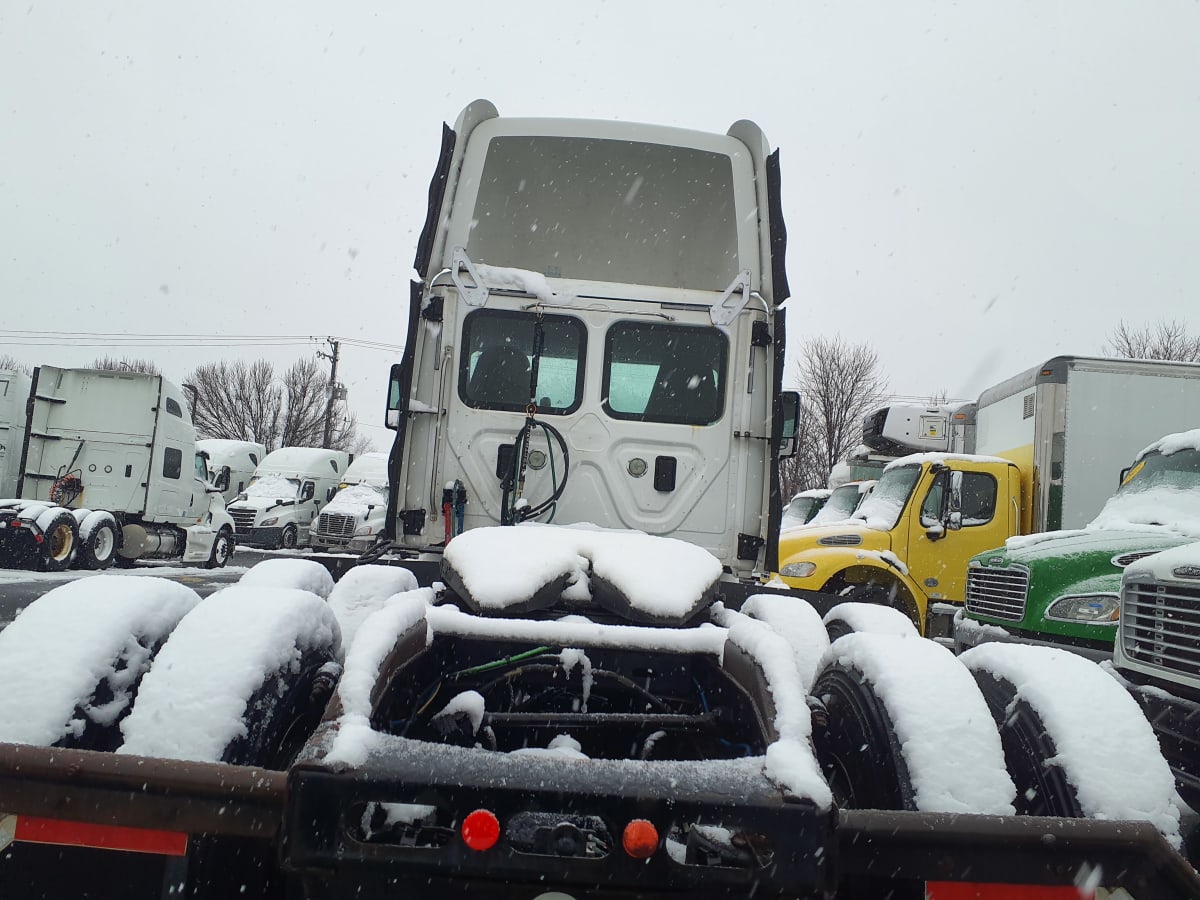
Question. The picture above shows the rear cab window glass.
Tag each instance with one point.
(495, 366)
(665, 373)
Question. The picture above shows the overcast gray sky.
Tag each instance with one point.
(971, 188)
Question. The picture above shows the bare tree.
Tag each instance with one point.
(10, 362)
(1162, 340)
(127, 364)
(247, 401)
(839, 384)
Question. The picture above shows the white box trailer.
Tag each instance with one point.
(109, 473)
(1074, 422)
(231, 464)
(14, 392)
(287, 491)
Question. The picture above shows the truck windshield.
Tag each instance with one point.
(273, 486)
(882, 509)
(1161, 490)
(841, 503)
(799, 511)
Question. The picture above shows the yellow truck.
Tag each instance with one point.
(1055, 437)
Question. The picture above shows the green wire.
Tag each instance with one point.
(500, 663)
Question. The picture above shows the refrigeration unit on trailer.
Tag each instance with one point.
(354, 519)
(110, 473)
(231, 464)
(288, 489)
(14, 392)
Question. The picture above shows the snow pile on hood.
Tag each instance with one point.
(505, 566)
(68, 641)
(354, 499)
(1104, 743)
(939, 719)
(192, 700)
(790, 760)
(872, 618)
(274, 487)
(302, 574)
(362, 591)
(798, 623)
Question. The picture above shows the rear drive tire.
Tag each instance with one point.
(59, 541)
(99, 549)
(222, 550)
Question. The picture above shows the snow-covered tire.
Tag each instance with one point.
(60, 536)
(902, 718)
(1070, 731)
(232, 671)
(222, 550)
(878, 595)
(852, 617)
(99, 536)
(72, 662)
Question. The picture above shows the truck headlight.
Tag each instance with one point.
(1101, 609)
(798, 569)
(270, 521)
(363, 529)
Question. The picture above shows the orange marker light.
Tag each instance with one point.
(481, 830)
(640, 839)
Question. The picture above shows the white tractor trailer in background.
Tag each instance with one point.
(109, 473)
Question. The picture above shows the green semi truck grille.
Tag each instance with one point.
(1160, 626)
(997, 593)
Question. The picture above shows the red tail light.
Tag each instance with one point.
(640, 839)
(481, 830)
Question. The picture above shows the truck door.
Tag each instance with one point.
(941, 543)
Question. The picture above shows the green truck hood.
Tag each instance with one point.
(1063, 563)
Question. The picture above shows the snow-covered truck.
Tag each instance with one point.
(287, 490)
(109, 474)
(1049, 447)
(354, 520)
(231, 463)
(14, 393)
(575, 710)
(1062, 588)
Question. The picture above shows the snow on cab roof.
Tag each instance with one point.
(304, 459)
(1174, 443)
(914, 459)
(818, 493)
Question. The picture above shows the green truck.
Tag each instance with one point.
(1063, 587)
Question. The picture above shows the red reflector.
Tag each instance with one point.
(481, 830)
(105, 837)
(963, 890)
(640, 839)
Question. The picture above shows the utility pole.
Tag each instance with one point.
(332, 356)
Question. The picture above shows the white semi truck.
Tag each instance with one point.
(289, 487)
(231, 463)
(109, 473)
(355, 517)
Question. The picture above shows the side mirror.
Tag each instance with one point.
(395, 402)
(329, 494)
(308, 492)
(221, 482)
(954, 502)
(789, 405)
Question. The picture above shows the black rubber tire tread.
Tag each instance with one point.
(837, 628)
(288, 538)
(861, 760)
(87, 548)
(279, 717)
(217, 560)
(1042, 787)
(60, 559)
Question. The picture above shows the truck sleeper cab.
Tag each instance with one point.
(231, 464)
(596, 338)
(289, 486)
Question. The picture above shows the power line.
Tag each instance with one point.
(30, 338)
